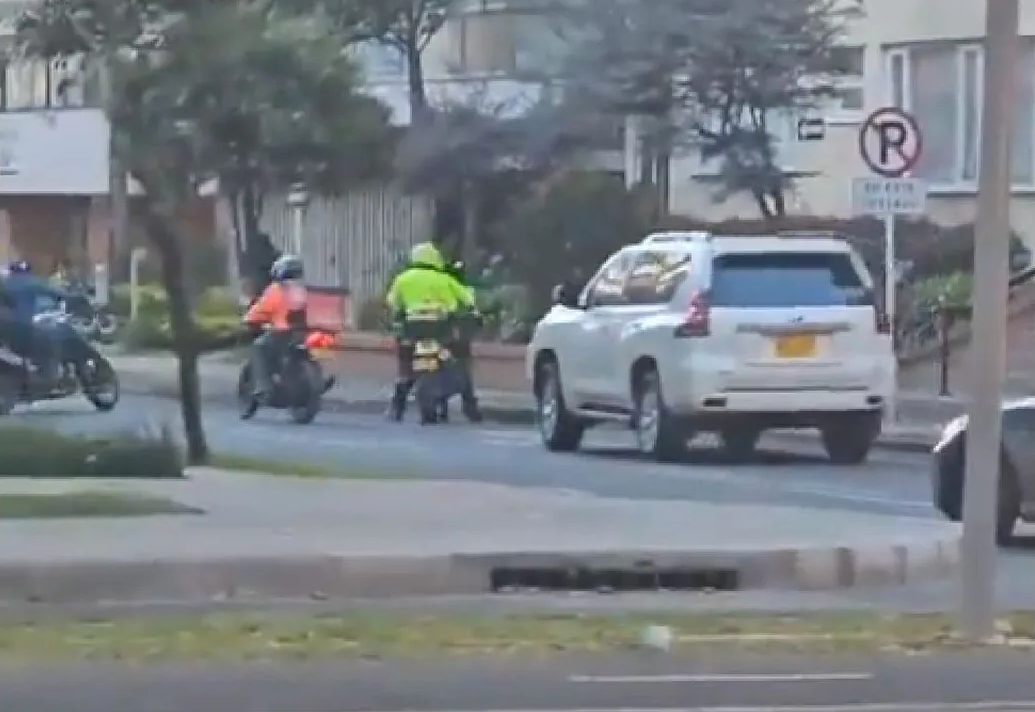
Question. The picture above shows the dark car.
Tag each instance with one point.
(1016, 468)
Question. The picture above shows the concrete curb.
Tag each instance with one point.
(495, 413)
(318, 577)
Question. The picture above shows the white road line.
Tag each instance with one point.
(726, 677)
(1004, 706)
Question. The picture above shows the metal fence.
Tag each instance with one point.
(353, 241)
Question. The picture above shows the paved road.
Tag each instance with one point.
(890, 483)
(784, 472)
(637, 681)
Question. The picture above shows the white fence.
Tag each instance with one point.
(353, 241)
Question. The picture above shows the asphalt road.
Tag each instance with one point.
(636, 681)
(785, 471)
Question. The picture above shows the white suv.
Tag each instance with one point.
(689, 332)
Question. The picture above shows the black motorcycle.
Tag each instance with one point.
(436, 378)
(82, 369)
(93, 321)
(298, 385)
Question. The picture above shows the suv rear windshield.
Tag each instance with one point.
(787, 279)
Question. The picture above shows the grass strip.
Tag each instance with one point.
(283, 468)
(239, 637)
(86, 503)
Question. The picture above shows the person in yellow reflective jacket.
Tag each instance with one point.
(424, 298)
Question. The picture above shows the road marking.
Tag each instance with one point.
(728, 677)
(1004, 706)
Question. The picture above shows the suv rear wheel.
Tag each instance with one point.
(659, 434)
(560, 430)
(848, 439)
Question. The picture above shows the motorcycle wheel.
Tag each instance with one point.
(101, 385)
(309, 392)
(247, 403)
(426, 395)
(10, 392)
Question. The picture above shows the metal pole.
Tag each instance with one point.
(296, 229)
(890, 306)
(991, 276)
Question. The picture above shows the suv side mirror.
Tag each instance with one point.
(565, 296)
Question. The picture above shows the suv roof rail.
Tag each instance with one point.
(832, 234)
(677, 236)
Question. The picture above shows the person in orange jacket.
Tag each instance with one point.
(282, 308)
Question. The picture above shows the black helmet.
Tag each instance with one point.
(287, 267)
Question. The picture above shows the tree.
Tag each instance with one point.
(199, 89)
(713, 74)
(407, 26)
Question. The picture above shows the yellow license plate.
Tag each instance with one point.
(322, 354)
(423, 365)
(797, 346)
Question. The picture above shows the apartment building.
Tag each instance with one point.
(922, 55)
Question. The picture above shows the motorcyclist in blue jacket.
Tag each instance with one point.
(24, 293)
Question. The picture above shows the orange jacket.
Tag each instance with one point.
(277, 304)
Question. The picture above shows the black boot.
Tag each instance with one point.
(397, 408)
(471, 411)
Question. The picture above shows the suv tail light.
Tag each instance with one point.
(698, 318)
(881, 321)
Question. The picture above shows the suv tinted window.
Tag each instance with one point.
(607, 289)
(787, 279)
(655, 277)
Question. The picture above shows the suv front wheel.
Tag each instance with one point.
(659, 434)
(560, 430)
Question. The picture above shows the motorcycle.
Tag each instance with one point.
(435, 379)
(93, 321)
(82, 370)
(298, 381)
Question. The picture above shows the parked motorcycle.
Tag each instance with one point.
(82, 370)
(93, 321)
(298, 384)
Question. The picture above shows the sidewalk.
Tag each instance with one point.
(297, 538)
(921, 417)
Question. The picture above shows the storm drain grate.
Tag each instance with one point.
(591, 579)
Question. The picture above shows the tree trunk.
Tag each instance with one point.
(419, 113)
(184, 332)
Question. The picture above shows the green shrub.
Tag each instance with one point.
(27, 452)
(217, 313)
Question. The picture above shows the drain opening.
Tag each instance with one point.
(583, 579)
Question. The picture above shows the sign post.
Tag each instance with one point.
(981, 491)
(890, 144)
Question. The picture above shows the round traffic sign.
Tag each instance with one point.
(890, 142)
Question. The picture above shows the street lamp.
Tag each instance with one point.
(991, 280)
(298, 199)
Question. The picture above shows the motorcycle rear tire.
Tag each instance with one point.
(425, 392)
(308, 399)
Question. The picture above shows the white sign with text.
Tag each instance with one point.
(874, 195)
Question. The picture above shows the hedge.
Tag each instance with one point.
(217, 314)
(28, 452)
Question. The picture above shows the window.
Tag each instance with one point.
(508, 42)
(848, 63)
(655, 277)
(787, 279)
(26, 84)
(608, 286)
(941, 84)
(378, 60)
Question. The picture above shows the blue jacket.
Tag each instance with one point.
(23, 293)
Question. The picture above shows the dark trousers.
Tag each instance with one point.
(266, 354)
